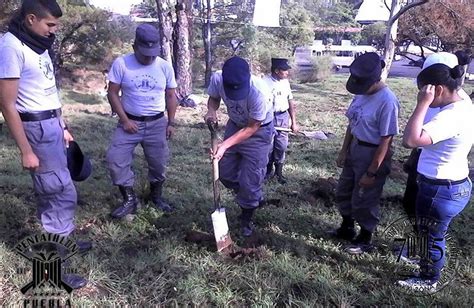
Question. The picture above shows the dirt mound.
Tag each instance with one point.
(322, 189)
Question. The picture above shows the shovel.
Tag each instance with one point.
(219, 220)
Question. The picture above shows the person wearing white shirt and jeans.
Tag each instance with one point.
(444, 186)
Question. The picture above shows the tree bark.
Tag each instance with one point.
(182, 54)
(392, 29)
(206, 36)
(165, 27)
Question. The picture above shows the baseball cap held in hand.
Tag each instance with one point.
(79, 165)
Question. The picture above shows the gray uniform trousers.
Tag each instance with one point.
(361, 204)
(243, 166)
(152, 137)
(55, 192)
(280, 140)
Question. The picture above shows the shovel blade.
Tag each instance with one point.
(221, 229)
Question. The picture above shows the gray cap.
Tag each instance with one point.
(147, 40)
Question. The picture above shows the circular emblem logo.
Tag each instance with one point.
(409, 244)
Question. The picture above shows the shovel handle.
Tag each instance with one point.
(215, 164)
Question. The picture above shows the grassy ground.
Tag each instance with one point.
(147, 262)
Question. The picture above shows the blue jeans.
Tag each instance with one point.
(436, 206)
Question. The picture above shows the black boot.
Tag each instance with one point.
(129, 205)
(73, 280)
(364, 237)
(279, 173)
(246, 222)
(156, 192)
(347, 230)
(362, 243)
(270, 173)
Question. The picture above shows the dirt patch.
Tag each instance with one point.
(322, 189)
(84, 81)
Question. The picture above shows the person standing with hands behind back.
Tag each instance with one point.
(444, 188)
(148, 88)
(366, 152)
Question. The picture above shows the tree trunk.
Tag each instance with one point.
(165, 27)
(182, 54)
(392, 28)
(206, 36)
(390, 37)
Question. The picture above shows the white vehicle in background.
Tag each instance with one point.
(341, 55)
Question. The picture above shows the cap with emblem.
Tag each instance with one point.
(236, 78)
(147, 40)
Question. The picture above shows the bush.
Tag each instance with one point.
(320, 69)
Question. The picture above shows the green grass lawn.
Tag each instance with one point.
(147, 262)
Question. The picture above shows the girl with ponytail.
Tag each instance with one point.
(444, 188)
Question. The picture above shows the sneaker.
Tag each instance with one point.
(419, 285)
(404, 256)
(358, 249)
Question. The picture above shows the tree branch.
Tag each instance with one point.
(404, 9)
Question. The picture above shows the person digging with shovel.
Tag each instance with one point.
(243, 155)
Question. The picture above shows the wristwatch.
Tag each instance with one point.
(172, 123)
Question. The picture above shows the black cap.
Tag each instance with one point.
(236, 78)
(365, 71)
(280, 63)
(79, 165)
(147, 40)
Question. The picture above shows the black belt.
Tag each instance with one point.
(40, 116)
(366, 144)
(280, 112)
(266, 124)
(145, 118)
(440, 181)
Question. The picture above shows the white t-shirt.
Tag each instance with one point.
(451, 131)
(37, 85)
(143, 86)
(281, 92)
(431, 112)
(256, 106)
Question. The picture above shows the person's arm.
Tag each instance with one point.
(414, 135)
(368, 178)
(8, 97)
(238, 137)
(345, 147)
(213, 104)
(171, 106)
(292, 112)
(114, 99)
